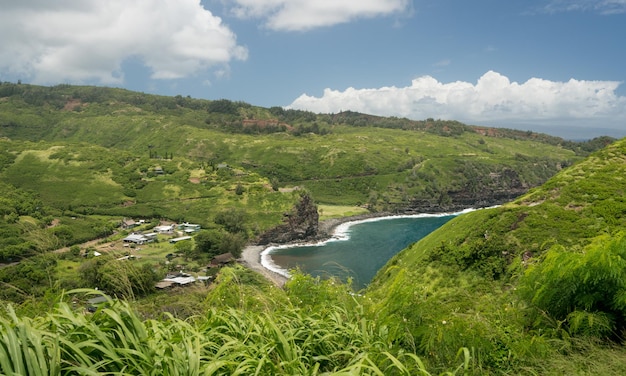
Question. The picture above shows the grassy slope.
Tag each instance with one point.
(350, 166)
(85, 150)
(457, 287)
(72, 179)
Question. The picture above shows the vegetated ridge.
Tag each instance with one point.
(103, 154)
(538, 282)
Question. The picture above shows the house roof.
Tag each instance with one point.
(163, 284)
(164, 228)
(180, 279)
(180, 239)
(135, 238)
(223, 258)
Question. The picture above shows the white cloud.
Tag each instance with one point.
(443, 63)
(308, 14)
(88, 40)
(600, 6)
(493, 98)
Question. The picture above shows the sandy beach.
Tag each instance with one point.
(251, 258)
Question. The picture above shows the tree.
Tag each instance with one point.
(223, 106)
(239, 189)
(207, 242)
(232, 243)
(184, 247)
(64, 234)
(234, 220)
(75, 250)
(275, 184)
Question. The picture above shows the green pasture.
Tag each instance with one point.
(338, 211)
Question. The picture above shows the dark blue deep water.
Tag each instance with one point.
(358, 250)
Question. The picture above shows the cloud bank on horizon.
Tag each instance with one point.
(493, 98)
(83, 41)
(89, 42)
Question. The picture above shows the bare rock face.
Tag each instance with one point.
(299, 224)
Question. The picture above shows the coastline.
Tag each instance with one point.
(251, 259)
(252, 255)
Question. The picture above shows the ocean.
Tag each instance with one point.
(357, 250)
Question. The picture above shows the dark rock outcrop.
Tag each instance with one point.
(489, 190)
(299, 224)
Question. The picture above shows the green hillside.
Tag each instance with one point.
(343, 159)
(534, 286)
(102, 154)
(537, 283)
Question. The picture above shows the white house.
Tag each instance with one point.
(138, 238)
(168, 229)
(151, 236)
(176, 240)
(189, 227)
(179, 279)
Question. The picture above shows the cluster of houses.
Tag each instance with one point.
(181, 279)
(139, 238)
(185, 230)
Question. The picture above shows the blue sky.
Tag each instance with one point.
(555, 66)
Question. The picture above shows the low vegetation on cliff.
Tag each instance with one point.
(536, 284)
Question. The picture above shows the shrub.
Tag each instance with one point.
(587, 290)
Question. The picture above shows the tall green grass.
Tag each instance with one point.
(115, 340)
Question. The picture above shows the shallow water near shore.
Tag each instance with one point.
(357, 250)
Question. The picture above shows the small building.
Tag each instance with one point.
(189, 227)
(223, 259)
(96, 302)
(128, 224)
(206, 279)
(138, 238)
(163, 284)
(151, 236)
(179, 239)
(173, 280)
(164, 229)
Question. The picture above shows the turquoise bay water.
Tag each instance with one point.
(357, 250)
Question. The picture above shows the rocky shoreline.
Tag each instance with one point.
(251, 254)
